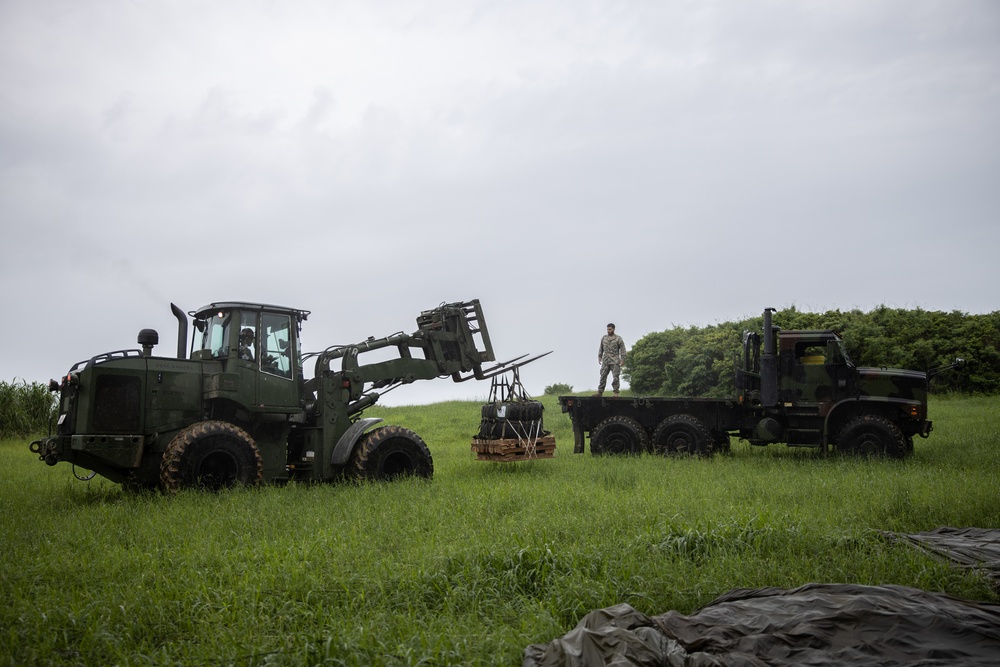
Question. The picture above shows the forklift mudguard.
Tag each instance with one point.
(344, 447)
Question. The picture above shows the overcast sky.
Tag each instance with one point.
(568, 163)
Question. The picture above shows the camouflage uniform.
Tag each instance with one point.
(611, 354)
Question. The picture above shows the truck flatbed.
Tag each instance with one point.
(632, 424)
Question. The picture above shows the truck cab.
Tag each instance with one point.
(805, 389)
(814, 369)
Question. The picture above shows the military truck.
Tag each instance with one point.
(802, 390)
(239, 410)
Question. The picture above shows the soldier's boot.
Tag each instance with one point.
(616, 394)
(599, 393)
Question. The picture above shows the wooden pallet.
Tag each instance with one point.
(514, 449)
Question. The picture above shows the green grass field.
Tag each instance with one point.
(474, 565)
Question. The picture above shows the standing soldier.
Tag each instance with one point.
(611, 356)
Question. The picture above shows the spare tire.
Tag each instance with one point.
(506, 428)
(510, 419)
(513, 410)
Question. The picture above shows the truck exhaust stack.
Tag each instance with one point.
(769, 365)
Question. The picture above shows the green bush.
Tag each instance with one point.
(25, 409)
(557, 389)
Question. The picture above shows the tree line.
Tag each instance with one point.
(700, 361)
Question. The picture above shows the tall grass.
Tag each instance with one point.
(473, 566)
(25, 409)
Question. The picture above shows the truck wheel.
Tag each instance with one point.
(211, 455)
(682, 434)
(389, 452)
(618, 435)
(872, 435)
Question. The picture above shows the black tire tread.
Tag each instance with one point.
(699, 434)
(889, 438)
(635, 434)
(173, 467)
(367, 462)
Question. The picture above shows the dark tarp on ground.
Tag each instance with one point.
(973, 548)
(815, 624)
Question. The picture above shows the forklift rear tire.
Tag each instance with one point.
(211, 455)
(389, 452)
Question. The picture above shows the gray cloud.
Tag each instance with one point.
(655, 164)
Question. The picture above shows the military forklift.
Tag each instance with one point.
(238, 410)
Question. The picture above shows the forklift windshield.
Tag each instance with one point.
(213, 334)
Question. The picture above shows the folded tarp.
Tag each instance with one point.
(815, 624)
(973, 548)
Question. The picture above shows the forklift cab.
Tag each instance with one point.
(259, 348)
